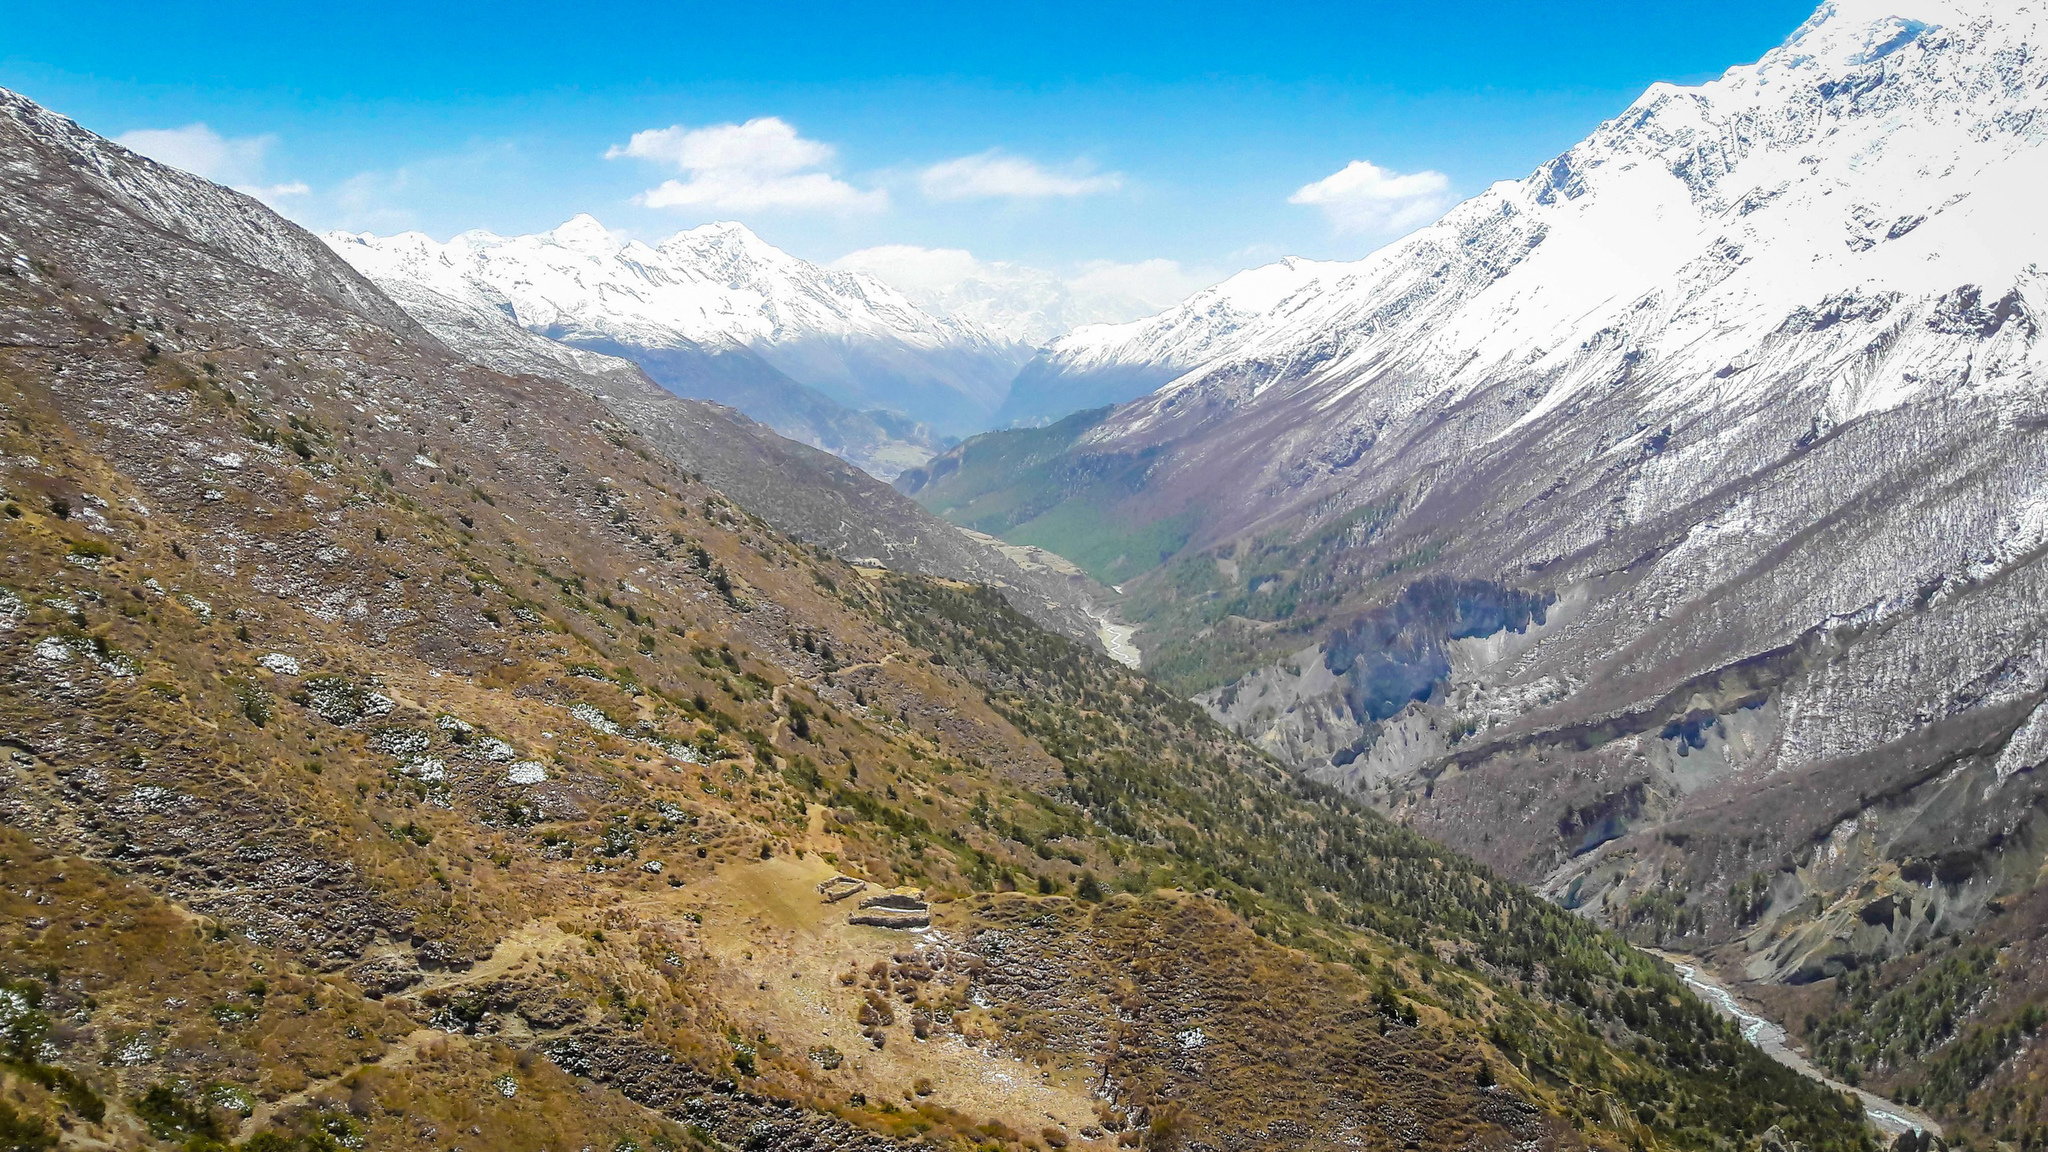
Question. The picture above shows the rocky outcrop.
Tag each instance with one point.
(841, 887)
(893, 910)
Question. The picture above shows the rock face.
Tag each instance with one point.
(893, 910)
(1747, 388)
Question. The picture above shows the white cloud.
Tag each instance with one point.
(1364, 197)
(370, 202)
(916, 270)
(1022, 302)
(761, 164)
(992, 175)
(1151, 285)
(236, 161)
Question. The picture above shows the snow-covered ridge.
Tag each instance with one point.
(198, 209)
(711, 285)
(710, 290)
(1884, 162)
(1201, 325)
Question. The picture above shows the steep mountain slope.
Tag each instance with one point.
(801, 492)
(400, 753)
(715, 312)
(1664, 528)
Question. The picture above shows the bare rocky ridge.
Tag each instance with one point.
(184, 205)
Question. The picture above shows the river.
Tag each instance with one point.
(1889, 1116)
(1116, 639)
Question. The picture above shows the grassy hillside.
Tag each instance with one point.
(1544, 994)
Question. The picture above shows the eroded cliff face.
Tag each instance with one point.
(1374, 701)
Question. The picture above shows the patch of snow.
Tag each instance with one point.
(592, 716)
(495, 750)
(13, 1006)
(2027, 748)
(401, 742)
(136, 1051)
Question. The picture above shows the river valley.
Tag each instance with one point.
(1890, 1116)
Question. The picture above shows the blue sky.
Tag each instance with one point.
(1211, 136)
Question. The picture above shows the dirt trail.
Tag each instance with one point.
(891, 658)
(777, 950)
(517, 946)
(397, 1056)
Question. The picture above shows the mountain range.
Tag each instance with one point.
(404, 742)
(1027, 306)
(1664, 528)
(435, 713)
(834, 358)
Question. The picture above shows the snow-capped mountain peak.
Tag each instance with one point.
(729, 240)
(1885, 159)
(718, 288)
(580, 232)
(715, 284)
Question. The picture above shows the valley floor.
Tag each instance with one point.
(1890, 1116)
